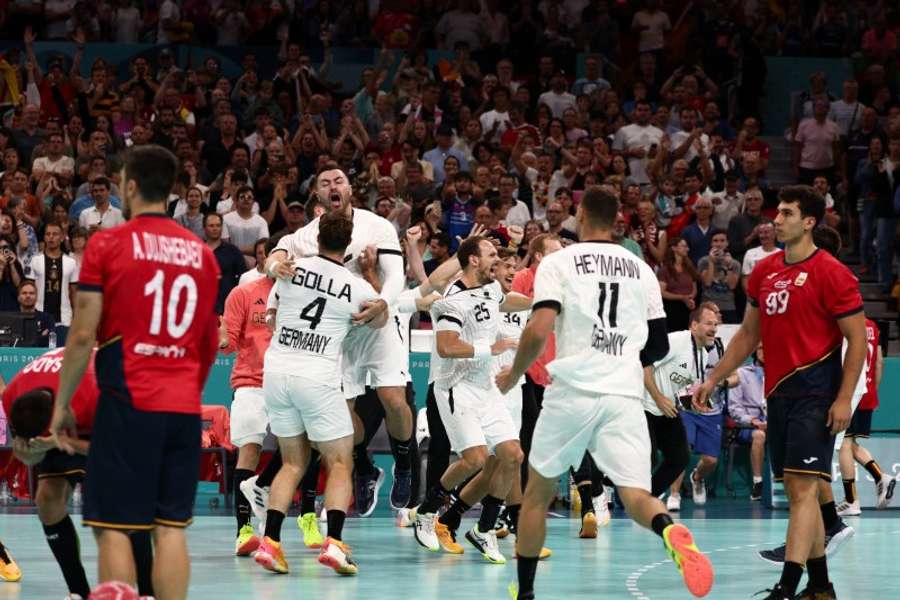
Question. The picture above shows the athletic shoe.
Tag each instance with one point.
(9, 570)
(424, 531)
(544, 554)
(601, 506)
(270, 556)
(774, 556)
(513, 590)
(885, 490)
(406, 517)
(258, 497)
(365, 492)
(698, 490)
(309, 527)
(673, 503)
(336, 554)
(588, 526)
(486, 543)
(401, 489)
(811, 593)
(836, 536)
(446, 538)
(693, 565)
(756, 492)
(78, 597)
(776, 593)
(247, 541)
(849, 509)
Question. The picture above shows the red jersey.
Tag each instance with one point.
(869, 400)
(245, 322)
(523, 283)
(43, 372)
(799, 305)
(158, 332)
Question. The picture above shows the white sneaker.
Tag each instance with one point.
(486, 543)
(698, 490)
(601, 510)
(258, 497)
(406, 517)
(424, 531)
(885, 490)
(849, 509)
(673, 504)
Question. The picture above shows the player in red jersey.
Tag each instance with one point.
(802, 302)
(28, 400)
(860, 427)
(146, 297)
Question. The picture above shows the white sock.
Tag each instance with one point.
(757, 479)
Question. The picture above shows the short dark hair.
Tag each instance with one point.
(101, 181)
(243, 190)
(335, 231)
(600, 207)
(209, 215)
(153, 169)
(808, 199)
(442, 238)
(30, 413)
(53, 224)
(260, 242)
(693, 173)
(272, 242)
(697, 313)
(468, 248)
(827, 239)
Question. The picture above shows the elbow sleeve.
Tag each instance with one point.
(657, 345)
(394, 277)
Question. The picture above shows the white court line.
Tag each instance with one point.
(631, 582)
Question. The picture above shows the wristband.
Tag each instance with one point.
(482, 350)
(271, 269)
(407, 305)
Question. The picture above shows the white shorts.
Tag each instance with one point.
(249, 418)
(379, 353)
(612, 428)
(474, 417)
(513, 401)
(854, 404)
(299, 405)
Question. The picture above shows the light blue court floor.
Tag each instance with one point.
(624, 562)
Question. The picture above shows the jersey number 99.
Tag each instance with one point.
(777, 302)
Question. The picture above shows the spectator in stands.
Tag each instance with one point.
(719, 275)
(257, 272)
(727, 203)
(518, 213)
(26, 305)
(748, 145)
(245, 227)
(192, 218)
(29, 135)
(821, 185)
(459, 210)
(54, 161)
(556, 215)
(879, 43)
(11, 274)
(637, 141)
(442, 151)
(887, 182)
(864, 185)
(102, 215)
(698, 234)
(817, 149)
(557, 98)
(620, 235)
(648, 235)
(765, 234)
(20, 194)
(651, 25)
(678, 282)
(230, 258)
(742, 230)
(848, 111)
(747, 406)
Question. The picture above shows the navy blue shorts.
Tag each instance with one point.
(860, 424)
(704, 432)
(745, 436)
(799, 442)
(142, 467)
(62, 464)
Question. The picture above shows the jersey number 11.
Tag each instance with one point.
(613, 304)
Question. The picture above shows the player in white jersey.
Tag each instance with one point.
(477, 421)
(301, 383)
(666, 382)
(606, 308)
(378, 353)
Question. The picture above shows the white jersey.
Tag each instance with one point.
(860, 390)
(475, 314)
(368, 230)
(678, 371)
(313, 318)
(605, 296)
(511, 326)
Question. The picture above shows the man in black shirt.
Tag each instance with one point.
(231, 260)
(45, 323)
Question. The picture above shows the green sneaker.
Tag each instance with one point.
(309, 526)
(247, 541)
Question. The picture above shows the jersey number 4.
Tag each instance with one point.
(184, 285)
(613, 304)
(777, 302)
(312, 312)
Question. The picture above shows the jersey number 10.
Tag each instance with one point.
(183, 284)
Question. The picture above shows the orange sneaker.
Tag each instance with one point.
(9, 570)
(588, 526)
(336, 554)
(271, 556)
(446, 538)
(694, 566)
